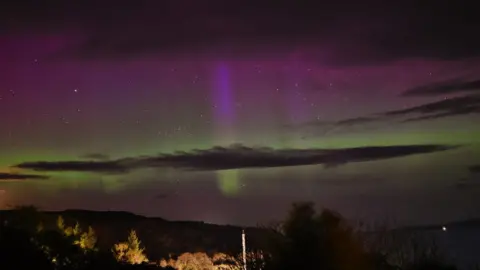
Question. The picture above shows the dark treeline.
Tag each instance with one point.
(305, 240)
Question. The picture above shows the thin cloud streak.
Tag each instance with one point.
(449, 104)
(96, 156)
(238, 157)
(447, 107)
(456, 112)
(457, 85)
(72, 166)
(21, 177)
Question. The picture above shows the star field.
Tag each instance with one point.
(268, 105)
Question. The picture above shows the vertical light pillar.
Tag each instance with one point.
(224, 115)
(244, 251)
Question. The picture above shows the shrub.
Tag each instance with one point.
(131, 251)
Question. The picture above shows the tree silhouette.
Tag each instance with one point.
(17, 251)
(88, 240)
(26, 218)
(308, 240)
(69, 247)
(131, 251)
(85, 240)
(59, 249)
(192, 261)
(61, 224)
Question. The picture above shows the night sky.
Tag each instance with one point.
(229, 111)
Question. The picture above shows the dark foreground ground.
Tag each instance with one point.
(159, 236)
(460, 241)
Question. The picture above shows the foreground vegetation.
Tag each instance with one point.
(305, 240)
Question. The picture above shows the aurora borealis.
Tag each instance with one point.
(229, 113)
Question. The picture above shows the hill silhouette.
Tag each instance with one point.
(160, 237)
(304, 238)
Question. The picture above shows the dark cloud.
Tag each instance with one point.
(164, 196)
(355, 124)
(358, 180)
(445, 87)
(455, 112)
(356, 121)
(19, 176)
(337, 32)
(96, 156)
(238, 157)
(467, 184)
(328, 125)
(448, 107)
(474, 169)
(83, 166)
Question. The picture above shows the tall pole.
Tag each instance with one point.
(244, 249)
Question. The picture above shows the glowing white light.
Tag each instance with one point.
(444, 228)
(244, 250)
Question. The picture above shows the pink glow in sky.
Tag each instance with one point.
(168, 79)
